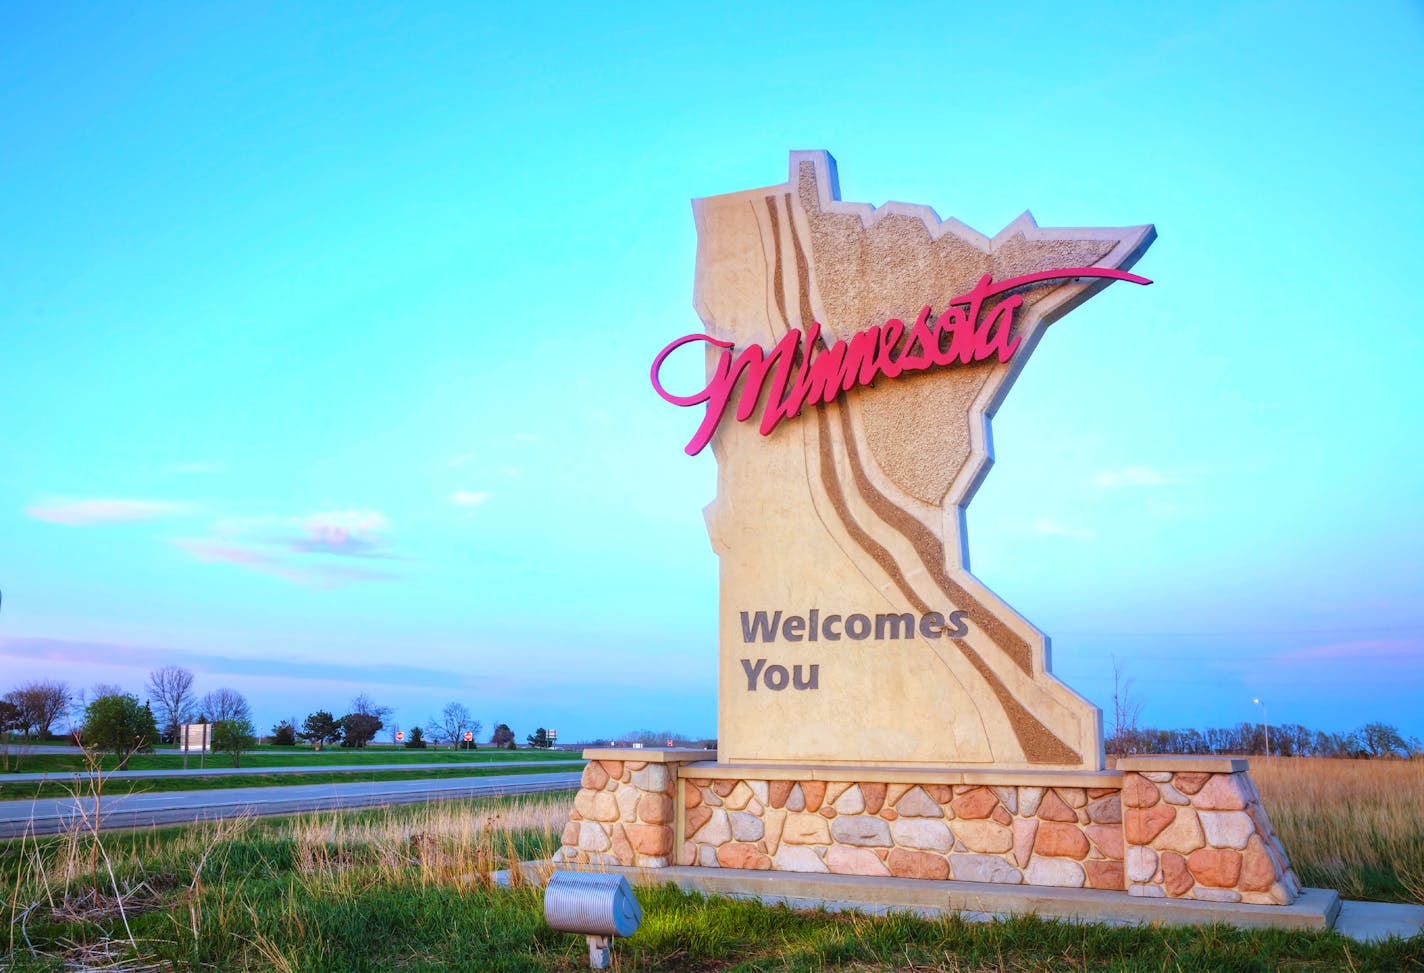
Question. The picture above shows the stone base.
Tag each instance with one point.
(1158, 827)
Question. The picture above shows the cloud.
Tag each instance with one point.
(1045, 526)
(467, 498)
(1135, 476)
(304, 550)
(29, 650)
(264, 561)
(344, 533)
(87, 513)
(1402, 650)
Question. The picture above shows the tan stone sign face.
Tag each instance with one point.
(851, 630)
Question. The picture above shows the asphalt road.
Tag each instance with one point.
(62, 777)
(52, 815)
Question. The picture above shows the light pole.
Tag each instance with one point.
(1266, 722)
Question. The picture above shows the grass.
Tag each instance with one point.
(31, 790)
(1356, 826)
(408, 888)
(76, 763)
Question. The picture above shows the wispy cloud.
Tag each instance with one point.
(469, 498)
(29, 650)
(1045, 526)
(1135, 476)
(90, 512)
(304, 550)
(344, 533)
(320, 574)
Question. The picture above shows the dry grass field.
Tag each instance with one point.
(410, 887)
(1356, 826)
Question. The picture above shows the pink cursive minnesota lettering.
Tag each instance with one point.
(962, 334)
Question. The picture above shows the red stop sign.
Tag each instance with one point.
(400, 735)
(469, 737)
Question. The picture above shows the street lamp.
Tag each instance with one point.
(1266, 722)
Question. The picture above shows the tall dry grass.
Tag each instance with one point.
(1356, 826)
(196, 885)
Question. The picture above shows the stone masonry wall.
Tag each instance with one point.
(623, 815)
(1203, 836)
(1185, 833)
(1059, 836)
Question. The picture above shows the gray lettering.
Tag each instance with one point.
(895, 624)
(830, 633)
(752, 673)
(960, 629)
(793, 629)
(776, 678)
(858, 627)
(815, 618)
(756, 626)
(812, 683)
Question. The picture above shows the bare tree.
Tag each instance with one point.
(171, 689)
(41, 703)
(454, 722)
(1127, 710)
(225, 704)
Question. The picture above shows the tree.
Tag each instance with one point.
(1127, 710)
(321, 727)
(171, 688)
(365, 720)
(417, 739)
(284, 734)
(1380, 740)
(539, 740)
(118, 722)
(11, 719)
(453, 723)
(225, 704)
(41, 703)
(503, 735)
(234, 736)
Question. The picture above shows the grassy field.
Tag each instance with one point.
(40, 762)
(408, 888)
(30, 790)
(1356, 826)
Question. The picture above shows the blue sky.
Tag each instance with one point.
(326, 333)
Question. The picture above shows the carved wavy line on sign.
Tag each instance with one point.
(1039, 744)
(778, 285)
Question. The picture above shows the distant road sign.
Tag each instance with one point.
(400, 735)
(469, 737)
(669, 743)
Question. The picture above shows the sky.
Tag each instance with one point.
(325, 333)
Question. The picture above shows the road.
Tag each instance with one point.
(63, 777)
(177, 807)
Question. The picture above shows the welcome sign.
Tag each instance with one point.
(854, 359)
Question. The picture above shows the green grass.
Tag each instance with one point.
(30, 790)
(55, 763)
(387, 889)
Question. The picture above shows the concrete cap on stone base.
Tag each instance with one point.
(857, 774)
(650, 755)
(1183, 765)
